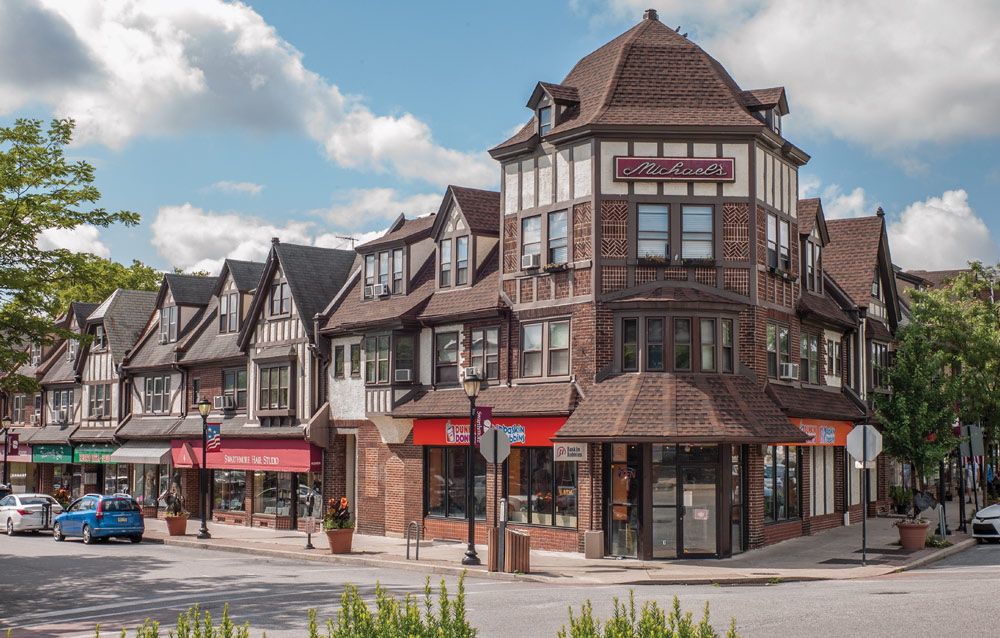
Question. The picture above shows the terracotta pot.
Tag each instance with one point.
(912, 535)
(176, 525)
(340, 540)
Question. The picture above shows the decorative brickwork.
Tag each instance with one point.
(613, 278)
(614, 229)
(644, 274)
(581, 281)
(582, 240)
(737, 280)
(527, 290)
(510, 244)
(675, 273)
(706, 276)
(761, 235)
(735, 232)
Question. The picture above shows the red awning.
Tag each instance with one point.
(252, 454)
(527, 431)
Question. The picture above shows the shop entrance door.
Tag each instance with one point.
(699, 518)
(624, 481)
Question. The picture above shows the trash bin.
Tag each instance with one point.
(517, 552)
(493, 551)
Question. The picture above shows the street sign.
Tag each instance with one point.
(974, 446)
(495, 445)
(309, 525)
(859, 447)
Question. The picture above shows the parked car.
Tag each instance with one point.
(28, 512)
(4, 490)
(97, 516)
(986, 524)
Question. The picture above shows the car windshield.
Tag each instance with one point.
(36, 500)
(120, 505)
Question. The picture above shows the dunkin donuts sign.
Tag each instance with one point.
(675, 169)
(522, 431)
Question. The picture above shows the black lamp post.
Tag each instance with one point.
(472, 385)
(204, 407)
(6, 444)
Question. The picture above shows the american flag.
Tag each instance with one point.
(214, 437)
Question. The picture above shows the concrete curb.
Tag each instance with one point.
(934, 557)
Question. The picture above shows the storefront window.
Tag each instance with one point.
(22, 477)
(781, 483)
(310, 491)
(68, 477)
(272, 493)
(230, 490)
(445, 486)
(540, 491)
(116, 478)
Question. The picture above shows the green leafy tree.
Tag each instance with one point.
(95, 278)
(39, 190)
(919, 414)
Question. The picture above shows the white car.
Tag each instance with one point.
(986, 524)
(28, 512)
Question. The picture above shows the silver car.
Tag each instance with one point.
(986, 524)
(28, 512)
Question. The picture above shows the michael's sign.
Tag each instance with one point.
(675, 169)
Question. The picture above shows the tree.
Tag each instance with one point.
(39, 190)
(919, 414)
(95, 278)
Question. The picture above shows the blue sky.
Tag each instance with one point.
(224, 124)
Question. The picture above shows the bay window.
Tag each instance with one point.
(653, 236)
(654, 344)
(727, 345)
(630, 344)
(274, 394)
(682, 344)
(708, 345)
(696, 232)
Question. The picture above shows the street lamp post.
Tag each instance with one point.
(204, 407)
(472, 384)
(6, 444)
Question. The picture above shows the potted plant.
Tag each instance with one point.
(554, 267)
(338, 526)
(653, 260)
(912, 532)
(64, 498)
(176, 517)
(901, 497)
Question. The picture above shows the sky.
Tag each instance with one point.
(225, 124)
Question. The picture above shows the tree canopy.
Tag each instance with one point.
(41, 190)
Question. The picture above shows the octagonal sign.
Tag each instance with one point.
(856, 442)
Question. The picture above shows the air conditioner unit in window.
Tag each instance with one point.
(788, 371)
(404, 375)
(381, 290)
(163, 339)
(369, 291)
(530, 261)
(63, 416)
(471, 371)
(217, 402)
(34, 419)
(98, 413)
(228, 402)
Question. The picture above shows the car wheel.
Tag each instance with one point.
(57, 532)
(137, 538)
(88, 536)
(10, 527)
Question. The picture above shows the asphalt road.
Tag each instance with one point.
(64, 589)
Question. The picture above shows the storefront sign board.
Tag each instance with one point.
(52, 454)
(292, 455)
(527, 431)
(675, 169)
(13, 444)
(824, 432)
(569, 451)
(93, 453)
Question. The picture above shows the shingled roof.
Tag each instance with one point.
(124, 315)
(852, 255)
(352, 311)
(246, 274)
(481, 209)
(649, 76)
(205, 342)
(675, 408)
(189, 290)
(823, 309)
(815, 403)
(314, 276)
(81, 310)
(520, 400)
(410, 230)
(482, 296)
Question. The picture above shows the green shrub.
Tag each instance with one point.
(650, 622)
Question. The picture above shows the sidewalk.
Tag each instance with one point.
(831, 555)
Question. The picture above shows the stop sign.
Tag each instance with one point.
(857, 445)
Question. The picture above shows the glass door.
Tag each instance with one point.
(663, 473)
(624, 481)
(699, 511)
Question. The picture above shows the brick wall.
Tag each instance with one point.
(210, 380)
(544, 538)
(755, 497)
(390, 483)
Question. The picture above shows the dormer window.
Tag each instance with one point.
(71, 349)
(281, 300)
(461, 260)
(229, 305)
(544, 120)
(386, 269)
(397, 271)
(168, 324)
(776, 122)
(99, 341)
(814, 276)
(36, 354)
(445, 256)
(877, 287)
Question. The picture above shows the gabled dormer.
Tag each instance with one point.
(466, 230)
(234, 289)
(552, 104)
(390, 263)
(180, 299)
(767, 105)
(813, 237)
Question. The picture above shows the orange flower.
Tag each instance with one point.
(343, 502)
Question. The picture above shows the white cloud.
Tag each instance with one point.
(941, 233)
(125, 68)
(238, 187)
(360, 207)
(82, 239)
(884, 74)
(837, 204)
(232, 235)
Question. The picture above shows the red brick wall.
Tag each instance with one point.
(545, 538)
(390, 483)
(210, 378)
(755, 497)
(778, 532)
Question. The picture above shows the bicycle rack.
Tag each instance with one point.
(413, 525)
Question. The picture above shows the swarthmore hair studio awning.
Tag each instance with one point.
(281, 455)
(679, 409)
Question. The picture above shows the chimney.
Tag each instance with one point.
(275, 240)
(650, 14)
(880, 212)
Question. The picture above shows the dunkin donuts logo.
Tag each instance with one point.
(459, 434)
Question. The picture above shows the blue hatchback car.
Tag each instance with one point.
(98, 516)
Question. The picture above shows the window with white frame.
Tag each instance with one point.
(696, 232)
(397, 271)
(446, 357)
(531, 236)
(229, 316)
(99, 339)
(653, 232)
(35, 353)
(558, 238)
(18, 404)
(100, 401)
(63, 405)
(168, 324)
(834, 358)
(545, 349)
(486, 352)
(157, 397)
(444, 254)
(234, 385)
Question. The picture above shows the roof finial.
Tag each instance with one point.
(880, 212)
(650, 14)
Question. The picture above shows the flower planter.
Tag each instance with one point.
(176, 525)
(912, 535)
(340, 540)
